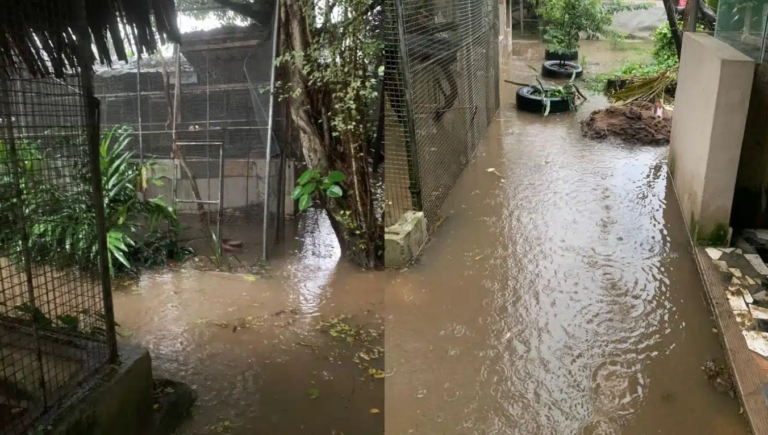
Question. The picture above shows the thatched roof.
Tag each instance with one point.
(40, 35)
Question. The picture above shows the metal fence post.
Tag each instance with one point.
(93, 141)
(410, 145)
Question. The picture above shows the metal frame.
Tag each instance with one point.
(220, 200)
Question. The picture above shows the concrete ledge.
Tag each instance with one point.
(119, 404)
(403, 240)
(747, 375)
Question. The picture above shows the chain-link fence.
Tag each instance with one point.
(200, 112)
(56, 322)
(441, 85)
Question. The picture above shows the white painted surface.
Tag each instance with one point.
(757, 341)
(714, 88)
(714, 253)
(736, 301)
(757, 263)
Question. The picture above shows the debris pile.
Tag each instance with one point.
(633, 123)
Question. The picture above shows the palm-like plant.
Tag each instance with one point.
(60, 219)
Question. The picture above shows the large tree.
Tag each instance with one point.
(330, 61)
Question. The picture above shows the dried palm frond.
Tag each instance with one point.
(41, 35)
(647, 88)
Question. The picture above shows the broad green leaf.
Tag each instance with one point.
(304, 202)
(308, 188)
(296, 194)
(120, 256)
(336, 176)
(307, 176)
(334, 191)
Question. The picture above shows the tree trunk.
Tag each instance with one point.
(352, 216)
(672, 19)
(691, 15)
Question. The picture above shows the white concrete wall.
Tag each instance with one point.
(237, 176)
(711, 105)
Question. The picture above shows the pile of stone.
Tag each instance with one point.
(748, 286)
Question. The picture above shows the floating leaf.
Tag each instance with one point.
(249, 278)
(314, 393)
(374, 411)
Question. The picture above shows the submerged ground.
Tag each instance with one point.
(559, 295)
(250, 345)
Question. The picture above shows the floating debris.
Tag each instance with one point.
(719, 376)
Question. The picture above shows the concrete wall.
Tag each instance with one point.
(712, 100)
(244, 184)
(505, 34)
(120, 404)
(750, 204)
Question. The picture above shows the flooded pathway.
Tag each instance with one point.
(557, 297)
(251, 348)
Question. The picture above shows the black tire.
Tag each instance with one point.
(556, 69)
(551, 55)
(528, 102)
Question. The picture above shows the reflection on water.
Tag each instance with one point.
(558, 298)
(250, 347)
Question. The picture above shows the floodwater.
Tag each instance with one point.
(249, 344)
(559, 295)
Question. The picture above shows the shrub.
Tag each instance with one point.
(62, 224)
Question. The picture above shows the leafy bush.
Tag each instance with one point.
(62, 225)
(567, 19)
(664, 51)
(664, 55)
(310, 183)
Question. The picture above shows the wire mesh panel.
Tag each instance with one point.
(443, 93)
(223, 70)
(56, 327)
(742, 25)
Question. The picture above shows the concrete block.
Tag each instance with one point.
(757, 341)
(736, 300)
(403, 240)
(120, 402)
(711, 105)
(757, 263)
(714, 254)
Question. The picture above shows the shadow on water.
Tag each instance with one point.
(558, 297)
(250, 345)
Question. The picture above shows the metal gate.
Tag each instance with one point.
(442, 91)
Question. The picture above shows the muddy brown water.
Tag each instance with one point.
(250, 347)
(559, 295)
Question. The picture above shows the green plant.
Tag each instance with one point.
(217, 255)
(567, 19)
(664, 52)
(60, 219)
(311, 182)
(569, 91)
(664, 58)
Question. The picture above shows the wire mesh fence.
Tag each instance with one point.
(56, 323)
(742, 25)
(210, 90)
(441, 60)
